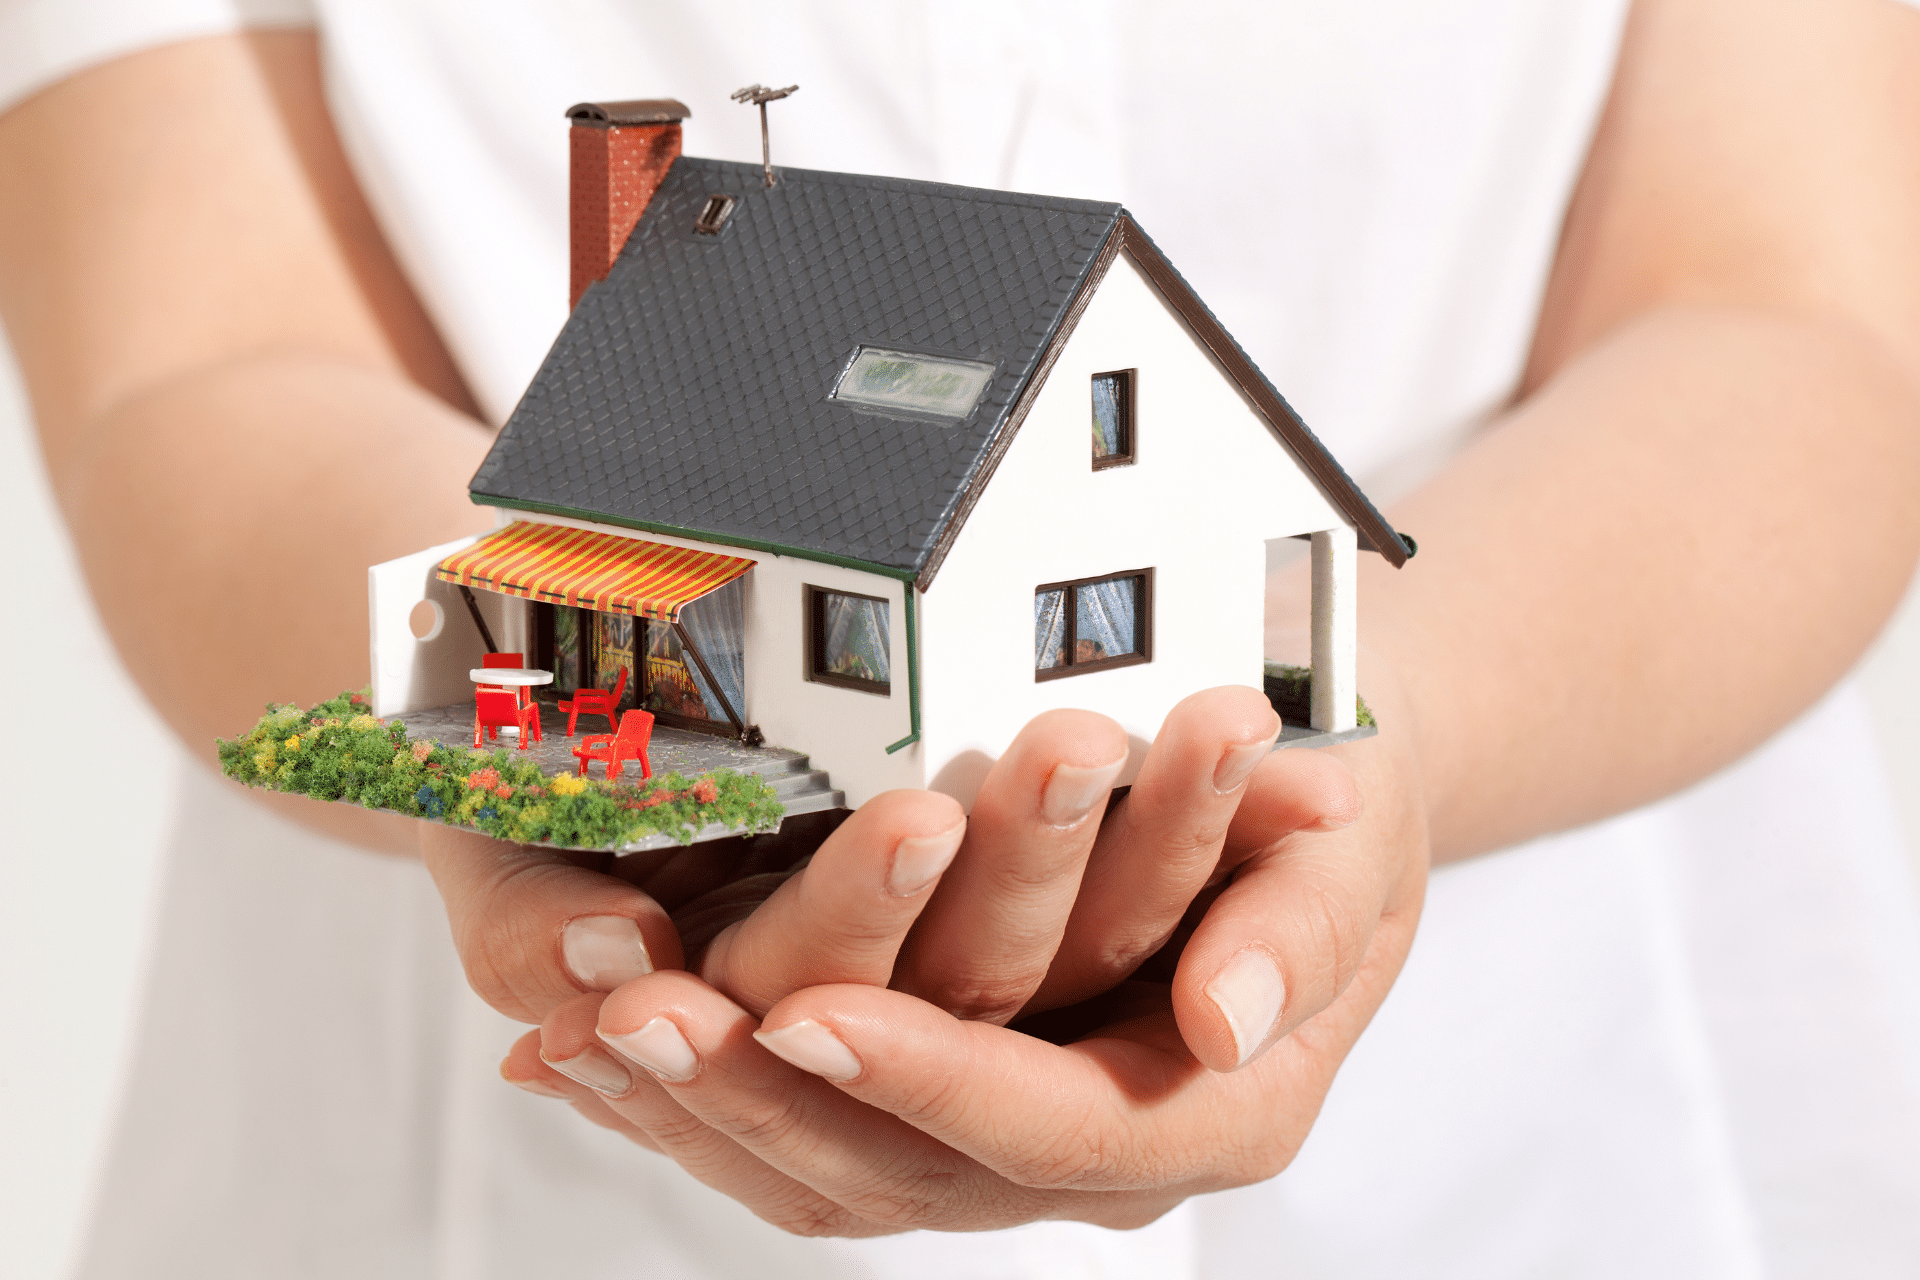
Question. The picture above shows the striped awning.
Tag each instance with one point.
(562, 565)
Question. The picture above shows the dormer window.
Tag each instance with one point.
(1112, 419)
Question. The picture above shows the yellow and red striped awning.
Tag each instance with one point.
(563, 565)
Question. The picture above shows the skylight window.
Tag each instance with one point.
(901, 382)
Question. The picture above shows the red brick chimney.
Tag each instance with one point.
(621, 152)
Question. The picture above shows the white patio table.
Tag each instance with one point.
(519, 679)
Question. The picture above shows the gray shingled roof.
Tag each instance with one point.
(689, 389)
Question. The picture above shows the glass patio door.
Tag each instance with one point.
(674, 684)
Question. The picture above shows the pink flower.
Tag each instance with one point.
(705, 792)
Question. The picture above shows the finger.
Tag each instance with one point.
(1129, 1112)
(702, 919)
(613, 1090)
(843, 917)
(676, 877)
(787, 1143)
(1160, 845)
(524, 1069)
(1286, 937)
(534, 928)
(983, 944)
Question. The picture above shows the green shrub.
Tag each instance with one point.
(1290, 689)
(337, 751)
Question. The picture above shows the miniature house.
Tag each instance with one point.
(877, 470)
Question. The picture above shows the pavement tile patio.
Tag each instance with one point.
(670, 750)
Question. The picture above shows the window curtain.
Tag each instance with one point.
(1106, 416)
(857, 632)
(1049, 629)
(1107, 615)
(566, 648)
(717, 622)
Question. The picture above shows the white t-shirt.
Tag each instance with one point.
(1685, 1042)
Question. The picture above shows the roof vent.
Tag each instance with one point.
(714, 215)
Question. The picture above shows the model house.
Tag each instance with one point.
(877, 470)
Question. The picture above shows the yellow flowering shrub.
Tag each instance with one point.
(530, 823)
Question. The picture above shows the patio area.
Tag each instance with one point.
(670, 750)
(800, 787)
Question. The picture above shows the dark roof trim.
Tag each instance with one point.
(1029, 392)
(695, 535)
(608, 115)
(1375, 533)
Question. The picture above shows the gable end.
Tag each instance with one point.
(1374, 533)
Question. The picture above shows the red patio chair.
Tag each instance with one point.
(496, 709)
(636, 727)
(504, 660)
(595, 702)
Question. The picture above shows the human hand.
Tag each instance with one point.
(536, 927)
(1046, 903)
(856, 1110)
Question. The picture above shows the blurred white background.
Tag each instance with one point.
(83, 873)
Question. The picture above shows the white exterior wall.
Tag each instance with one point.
(1209, 485)
(411, 674)
(845, 731)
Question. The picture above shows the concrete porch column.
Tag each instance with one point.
(1335, 629)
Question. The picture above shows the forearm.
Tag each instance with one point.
(1653, 563)
(228, 545)
(229, 542)
(240, 402)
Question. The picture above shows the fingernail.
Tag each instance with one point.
(1249, 992)
(540, 1087)
(604, 951)
(919, 860)
(595, 1068)
(811, 1047)
(1237, 763)
(660, 1048)
(1073, 790)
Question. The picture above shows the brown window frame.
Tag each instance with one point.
(1127, 380)
(1143, 627)
(817, 641)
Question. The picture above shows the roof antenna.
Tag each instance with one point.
(760, 96)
